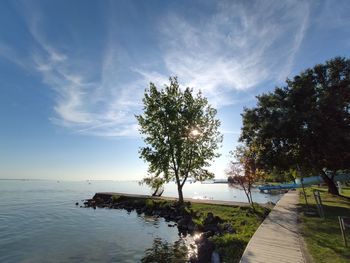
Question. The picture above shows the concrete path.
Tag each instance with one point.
(201, 201)
(277, 239)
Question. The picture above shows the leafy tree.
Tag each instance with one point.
(281, 176)
(244, 172)
(155, 183)
(181, 134)
(305, 125)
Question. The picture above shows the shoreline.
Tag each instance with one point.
(222, 228)
(107, 195)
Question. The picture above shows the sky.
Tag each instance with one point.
(73, 73)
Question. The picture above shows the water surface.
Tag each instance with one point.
(39, 221)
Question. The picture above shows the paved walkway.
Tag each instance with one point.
(202, 201)
(277, 239)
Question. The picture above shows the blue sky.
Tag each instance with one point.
(72, 73)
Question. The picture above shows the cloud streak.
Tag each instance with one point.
(229, 51)
(238, 47)
(103, 104)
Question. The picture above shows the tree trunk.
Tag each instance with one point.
(181, 197)
(247, 195)
(332, 188)
(246, 192)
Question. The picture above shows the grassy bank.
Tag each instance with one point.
(242, 222)
(242, 219)
(322, 236)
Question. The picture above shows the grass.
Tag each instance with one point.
(322, 236)
(243, 220)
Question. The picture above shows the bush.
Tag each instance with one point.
(115, 198)
(229, 247)
(149, 203)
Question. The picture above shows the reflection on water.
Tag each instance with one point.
(184, 249)
(164, 252)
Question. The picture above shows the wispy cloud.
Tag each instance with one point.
(102, 105)
(232, 49)
(237, 47)
(7, 52)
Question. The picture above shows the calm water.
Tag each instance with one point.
(40, 223)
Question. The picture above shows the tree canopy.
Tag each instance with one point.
(306, 124)
(181, 134)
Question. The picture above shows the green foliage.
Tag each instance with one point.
(149, 203)
(181, 134)
(163, 252)
(115, 198)
(305, 124)
(230, 247)
(322, 236)
(244, 220)
(281, 176)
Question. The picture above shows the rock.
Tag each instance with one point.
(227, 228)
(191, 226)
(182, 224)
(98, 200)
(156, 212)
(138, 210)
(207, 234)
(271, 203)
(186, 224)
(178, 218)
(211, 223)
(101, 198)
(209, 219)
(212, 228)
(217, 220)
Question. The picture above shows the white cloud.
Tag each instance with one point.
(102, 107)
(237, 47)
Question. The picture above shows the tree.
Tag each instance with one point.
(306, 124)
(155, 183)
(181, 134)
(244, 172)
(236, 176)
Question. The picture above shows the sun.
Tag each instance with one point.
(195, 132)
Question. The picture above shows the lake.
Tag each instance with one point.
(39, 221)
